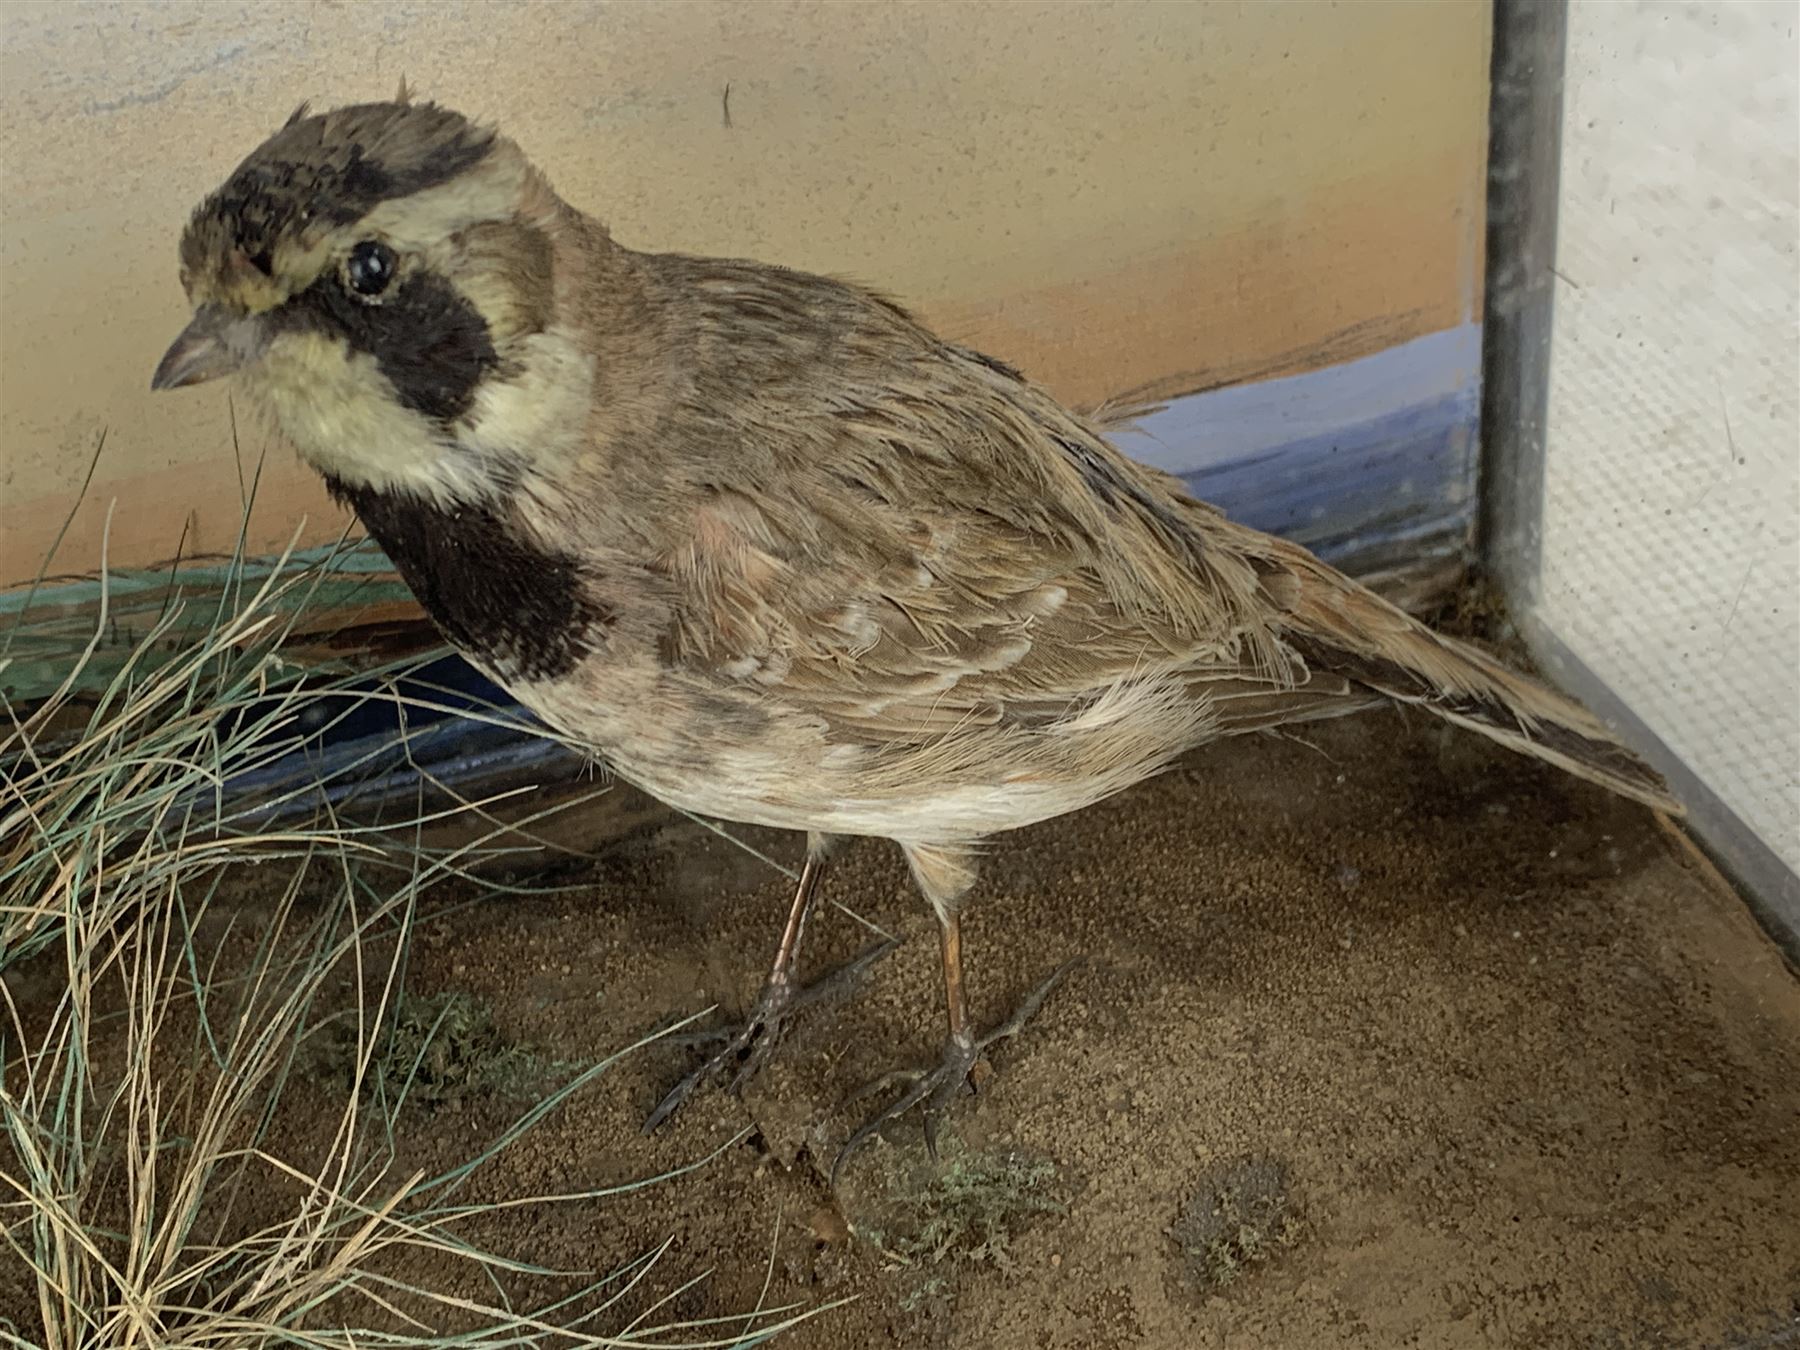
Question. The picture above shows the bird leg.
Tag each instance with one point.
(961, 1067)
(748, 1048)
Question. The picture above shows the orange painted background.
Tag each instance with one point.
(1117, 197)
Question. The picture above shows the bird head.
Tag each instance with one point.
(382, 279)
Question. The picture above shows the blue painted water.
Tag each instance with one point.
(1363, 462)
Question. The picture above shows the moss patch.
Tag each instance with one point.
(968, 1208)
(436, 1052)
(1237, 1217)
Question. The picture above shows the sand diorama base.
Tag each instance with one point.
(1380, 1038)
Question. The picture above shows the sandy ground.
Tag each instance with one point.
(1381, 1039)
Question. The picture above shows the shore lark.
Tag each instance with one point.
(762, 540)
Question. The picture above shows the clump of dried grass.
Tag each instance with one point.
(151, 1207)
(113, 797)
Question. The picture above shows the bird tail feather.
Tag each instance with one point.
(1346, 631)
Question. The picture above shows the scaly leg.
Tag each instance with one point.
(937, 1087)
(749, 1048)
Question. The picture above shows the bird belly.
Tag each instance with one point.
(733, 755)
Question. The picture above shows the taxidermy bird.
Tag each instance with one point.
(764, 542)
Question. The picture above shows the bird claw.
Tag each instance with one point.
(747, 1049)
(961, 1069)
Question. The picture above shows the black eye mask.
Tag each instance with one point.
(430, 342)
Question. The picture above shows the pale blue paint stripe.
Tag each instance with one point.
(1245, 420)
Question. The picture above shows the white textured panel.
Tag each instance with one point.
(1672, 516)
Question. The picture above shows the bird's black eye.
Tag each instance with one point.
(371, 268)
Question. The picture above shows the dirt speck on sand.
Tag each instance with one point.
(1386, 1038)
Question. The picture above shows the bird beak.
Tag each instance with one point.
(216, 343)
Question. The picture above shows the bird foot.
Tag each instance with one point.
(746, 1050)
(963, 1068)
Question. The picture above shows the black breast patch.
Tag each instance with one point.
(515, 607)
